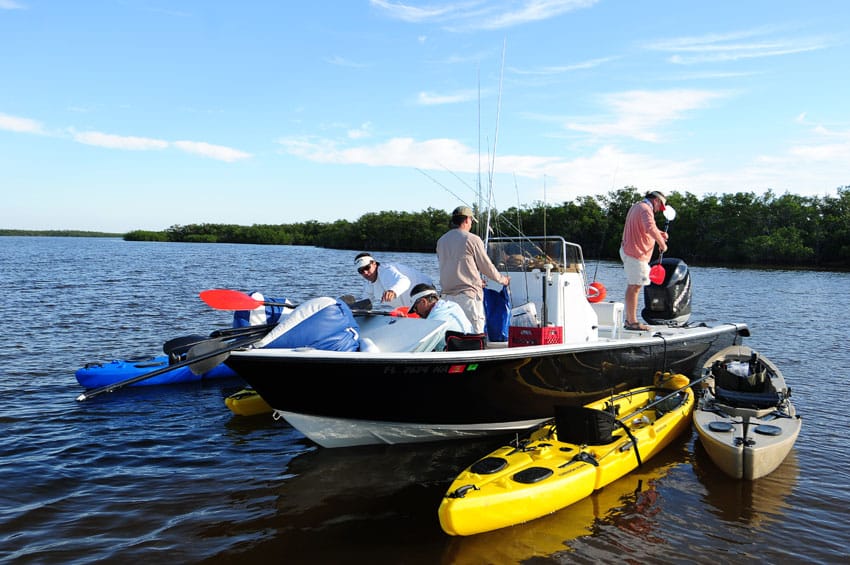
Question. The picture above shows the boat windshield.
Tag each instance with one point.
(529, 253)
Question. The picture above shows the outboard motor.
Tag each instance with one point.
(669, 303)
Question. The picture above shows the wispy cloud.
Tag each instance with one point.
(364, 131)
(561, 69)
(124, 142)
(111, 141)
(480, 14)
(133, 143)
(11, 5)
(433, 99)
(733, 46)
(343, 62)
(20, 125)
(639, 114)
(217, 152)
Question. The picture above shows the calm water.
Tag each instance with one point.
(160, 474)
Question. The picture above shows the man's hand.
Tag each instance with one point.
(388, 296)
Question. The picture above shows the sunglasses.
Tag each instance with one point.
(362, 270)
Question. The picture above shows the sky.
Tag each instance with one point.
(118, 115)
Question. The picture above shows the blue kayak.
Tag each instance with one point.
(95, 375)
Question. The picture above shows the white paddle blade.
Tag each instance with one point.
(669, 213)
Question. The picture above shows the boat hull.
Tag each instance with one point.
(539, 476)
(356, 398)
(95, 375)
(746, 441)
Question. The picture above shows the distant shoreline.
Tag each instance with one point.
(58, 233)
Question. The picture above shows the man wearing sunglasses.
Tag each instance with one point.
(388, 283)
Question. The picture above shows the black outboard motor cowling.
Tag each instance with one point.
(669, 303)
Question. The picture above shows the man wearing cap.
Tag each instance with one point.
(389, 283)
(640, 234)
(463, 260)
(427, 304)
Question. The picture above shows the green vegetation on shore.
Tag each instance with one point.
(58, 233)
(729, 229)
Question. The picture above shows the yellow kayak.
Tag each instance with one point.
(247, 402)
(565, 460)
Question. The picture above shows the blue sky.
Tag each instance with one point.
(141, 114)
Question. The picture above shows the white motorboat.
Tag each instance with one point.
(394, 388)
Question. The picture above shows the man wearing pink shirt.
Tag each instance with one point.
(640, 234)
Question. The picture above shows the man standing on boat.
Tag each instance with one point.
(389, 283)
(640, 234)
(463, 260)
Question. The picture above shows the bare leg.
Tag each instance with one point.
(632, 294)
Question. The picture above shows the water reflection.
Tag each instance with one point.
(751, 503)
(628, 504)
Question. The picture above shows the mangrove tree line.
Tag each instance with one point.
(740, 228)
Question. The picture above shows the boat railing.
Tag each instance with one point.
(525, 254)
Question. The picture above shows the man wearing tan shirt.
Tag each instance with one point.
(463, 260)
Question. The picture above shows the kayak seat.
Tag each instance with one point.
(756, 400)
(741, 376)
(584, 426)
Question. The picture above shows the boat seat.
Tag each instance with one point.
(395, 334)
(749, 376)
(458, 341)
(739, 399)
(584, 426)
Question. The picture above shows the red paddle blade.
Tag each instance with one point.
(224, 299)
(657, 274)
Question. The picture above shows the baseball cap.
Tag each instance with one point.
(464, 211)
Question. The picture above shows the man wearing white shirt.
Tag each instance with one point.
(389, 283)
(428, 304)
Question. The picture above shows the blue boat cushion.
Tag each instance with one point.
(260, 315)
(321, 323)
(584, 426)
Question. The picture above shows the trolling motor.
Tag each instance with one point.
(669, 302)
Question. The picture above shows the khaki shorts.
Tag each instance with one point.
(473, 308)
(637, 272)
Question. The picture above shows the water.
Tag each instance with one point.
(169, 474)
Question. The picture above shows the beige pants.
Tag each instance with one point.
(472, 307)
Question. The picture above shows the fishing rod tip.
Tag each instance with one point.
(81, 398)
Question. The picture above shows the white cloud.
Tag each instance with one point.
(133, 143)
(531, 11)
(343, 62)
(481, 14)
(20, 125)
(11, 5)
(819, 165)
(733, 46)
(396, 152)
(362, 132)
(217, 152)
(127, 142)
(560, 69)
(433, 99)
(639, 114)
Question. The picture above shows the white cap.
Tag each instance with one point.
(363, 261)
